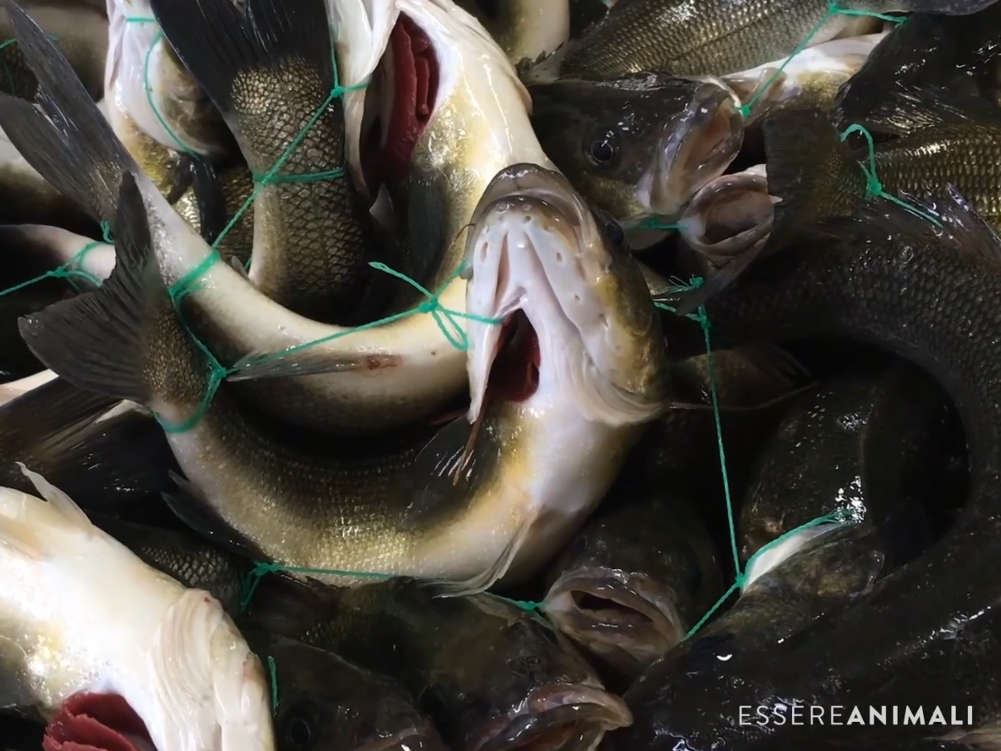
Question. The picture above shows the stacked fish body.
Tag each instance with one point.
(487, 375)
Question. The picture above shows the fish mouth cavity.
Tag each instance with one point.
(694, 155)
(614, 612)
(550, 717)
(98, 721)
(729, 215)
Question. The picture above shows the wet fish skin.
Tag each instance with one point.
(635, 579)
(326, 702)
(852, 290)
(525, 30)
(269, 69)
(865, 440)
(686, 37)
(640, 144)
(490, 675)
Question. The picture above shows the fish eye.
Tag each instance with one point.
(602, 149)
(297, 727)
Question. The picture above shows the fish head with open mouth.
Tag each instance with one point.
(560, 309)
(638, 145)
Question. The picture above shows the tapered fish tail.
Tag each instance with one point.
(65, 138)
(810, 171)
(224, 47)
(124, 339)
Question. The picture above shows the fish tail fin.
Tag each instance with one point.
(220, 45)
(809, 170)
(99, 341)
(65, 138)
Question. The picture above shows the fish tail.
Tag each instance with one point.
(222, 46)
(65, 138)
(108, 340)
(809, 170)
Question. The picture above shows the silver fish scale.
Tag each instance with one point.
(693, 37)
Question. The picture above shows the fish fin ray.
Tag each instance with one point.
(96, 341)
(57, 498)
(256, 366)
(902, 109)
(66, 139)
(221, 43)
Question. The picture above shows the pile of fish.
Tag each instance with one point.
(499, 374)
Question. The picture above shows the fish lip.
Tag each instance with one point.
(693, 156)
(555, 706)
(625, 641)
(697, 217)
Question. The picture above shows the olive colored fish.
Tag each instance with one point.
(80, 32)
(815, 175)
(525, 29)
(869, 441)
(466, 506)
(385, 375)
(269, 68)
(942, 652)
(634, 581)
(961, 54)
(637, 145)
(325, 702)
(491, 676)
(695, 37)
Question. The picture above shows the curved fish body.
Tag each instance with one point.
(385, 375)
(330, 703)
(578, 357)
(695, 37)
(65, 657)
(634, 580)
(466, 659)
(524, 29)
(269, 68)
(638, 145)
(943, 651)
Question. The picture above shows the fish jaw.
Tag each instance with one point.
(172, 654)
(553, 715)
(626, 618)
(729, 216)
(690, 157)
(537, 249)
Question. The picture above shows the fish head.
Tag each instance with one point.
(325, 702)
(639, 145)
(145, 81)
(542, 694)
(559, 309)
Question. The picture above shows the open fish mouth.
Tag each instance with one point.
(626, 618)
(556, 717)
(694, 155)
(102, 722)
(541, 322)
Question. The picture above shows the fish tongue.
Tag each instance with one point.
(415, 84)
(96, 722)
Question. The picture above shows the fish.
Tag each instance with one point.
(695, 38)
(81, 32)
(955, 53)
(728, 222)
(44, 247)
(324, 701)
(852, 291)
(639, 145)
(130, 681)
(494, 503)
(868, 441)
(811, 79)
(390, 375)
(635, 579)
(490, 675)
(113, 458)
(585, 13)
(524, 29)
(269, 69)
(958, 148)
(13, 389)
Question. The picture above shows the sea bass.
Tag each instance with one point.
(525, 29)
(130, 680)
(387, 375)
